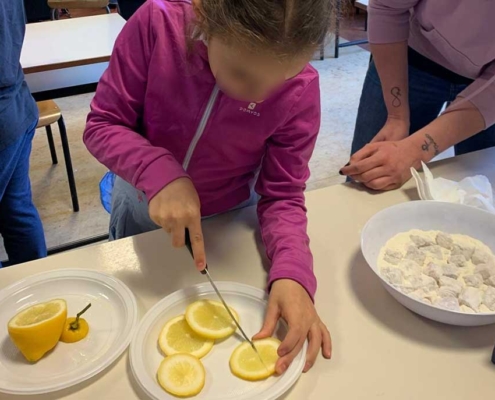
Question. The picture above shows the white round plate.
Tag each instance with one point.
(221, 384)
(112, 319)
(428, 215)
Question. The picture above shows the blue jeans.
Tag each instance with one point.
(20, 224)
(130, 214)
(427, 94)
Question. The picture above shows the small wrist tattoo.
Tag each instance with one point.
(396, 93)
(430, 142)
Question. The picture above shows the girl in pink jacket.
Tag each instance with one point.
(200, 104)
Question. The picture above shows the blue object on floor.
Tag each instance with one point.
(106, 188)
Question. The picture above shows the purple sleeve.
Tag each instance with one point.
(281, 184)
(482, 94)
(388, 20)
(111, 133)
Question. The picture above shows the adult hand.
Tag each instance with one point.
(289, 300)
(177, 207)
(393, 130)
(383, 165)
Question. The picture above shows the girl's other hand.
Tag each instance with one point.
(289, 300)
(175, 208)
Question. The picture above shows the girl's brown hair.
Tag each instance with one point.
(288, 28)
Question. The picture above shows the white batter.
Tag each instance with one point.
(454, 272)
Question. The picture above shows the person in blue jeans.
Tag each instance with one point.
(425, 53)
(20, 224)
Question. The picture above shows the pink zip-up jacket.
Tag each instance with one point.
(158, 116)
(457, 34)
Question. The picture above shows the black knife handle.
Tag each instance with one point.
(189, 247)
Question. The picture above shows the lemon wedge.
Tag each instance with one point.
(177, 337)
(37, 330)
(181, 375)
(246, 364)
(209, 319)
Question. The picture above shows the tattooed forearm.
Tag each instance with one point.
(396, 93)
(430, 142)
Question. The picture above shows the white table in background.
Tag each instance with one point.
(381, 350)
(70, 53)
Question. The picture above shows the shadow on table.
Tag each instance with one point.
(140, 394)
(392, 315)
(76, 388)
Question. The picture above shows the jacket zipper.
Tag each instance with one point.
(201, 127)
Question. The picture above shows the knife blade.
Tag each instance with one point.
(207, 274)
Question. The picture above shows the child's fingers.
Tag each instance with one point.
(327, 341)
(284, 362)
(315, 342)
(271, 319)
(292, 339)
(197, 243)
(178, 235)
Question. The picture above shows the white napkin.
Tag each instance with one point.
(475, 191)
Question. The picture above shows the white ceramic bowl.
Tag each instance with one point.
(428, 215)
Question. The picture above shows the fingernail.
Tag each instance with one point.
(283, 367)
(201, 265)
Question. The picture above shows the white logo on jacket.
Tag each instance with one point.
(250, 109)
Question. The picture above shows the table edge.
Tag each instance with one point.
(65, 64)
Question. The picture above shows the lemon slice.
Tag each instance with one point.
(181, 375)
(246, 364)
(177, 337)
(37, 330)
(210, 319)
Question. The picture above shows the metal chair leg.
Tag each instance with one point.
(322, 51)
(108, 9)
(337, 28)
(53, 14)
(51, 144)
(68, 164)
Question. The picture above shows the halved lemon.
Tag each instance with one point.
(246, 364)
(37, 330)
(210, 319)
(177, 337)
(181, 375)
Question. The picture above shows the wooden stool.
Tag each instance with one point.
(56, 5)
(49, 113)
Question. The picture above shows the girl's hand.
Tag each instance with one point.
(289, 300)
(177, 207)
(383, 165)
(393, 130)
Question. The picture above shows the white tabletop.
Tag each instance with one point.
(69, 42)
(381, 350)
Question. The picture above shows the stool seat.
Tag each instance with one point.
(49, 113)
